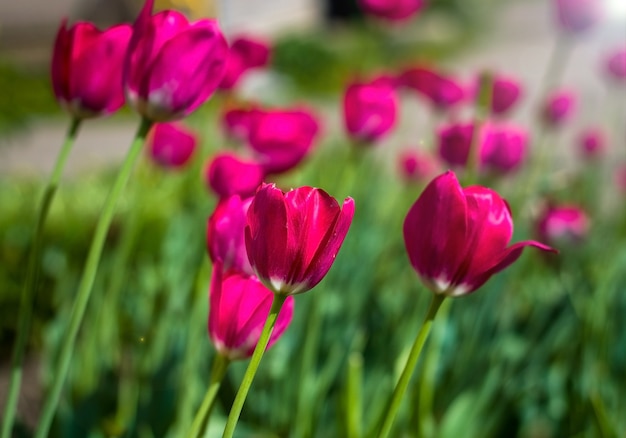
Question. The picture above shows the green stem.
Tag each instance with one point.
(201, 420)
(483, 109)
(354, 407)
(240, 398)
(87, 279)
(28, 293)
(403, 383)
(556, 65)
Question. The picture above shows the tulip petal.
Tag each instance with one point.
(60, 71)
(435, 231)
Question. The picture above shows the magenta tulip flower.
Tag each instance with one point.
(455, 142)
(559, 107)
(282, 138)
(442, 91)
(87, 67)
(504, 148)
(506, 92)
(239, 305)
(392, 10)
(592, 143)
(457, 238)
(417, 166)
(370, 110)
(564, 224)
(616, 65)
(229, 175)
(245, 53)
(171, 145)
(172, 66)
(577, 16)
(225, 234)
(293, 238)
(237, 122)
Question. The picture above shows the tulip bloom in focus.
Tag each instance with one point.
(370, 109)
(563, 224)
(504, 149)
(443, 92)
(392, 10)
(225, 234)
(172, 66)
(87, 67)
(229, 175)
(282, 138)
(293, 238)
(616, 66)
(245, 53)
(559, 107)
(576, 16)
(171, 145)
(239, 305)
(457, 238)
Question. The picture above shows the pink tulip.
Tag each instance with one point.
(592, 143)
(370, 110)
(172, 66)
(506, 92)
(442, 91)
(392, 10)
(563, 224)
(417, 166)
(237, 122)
(559, 107)
(457, 238)
(455, 142)
(576, 16)
(282, 138)
(504, 149)
(87, 66)
(225, 234)
(228, 175)
(292, 239)
(245, 53)
(239, 305)
(171, 145)
(616, 65)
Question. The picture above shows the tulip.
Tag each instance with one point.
(576, 16)
(457, 238)
(443, 92)
(563, 224)
(616, 65)
(370, 110)
(282, 138)
(505, 94)
(225, 234)
(87, 66)
(455, 142)
(237, 122)
(172, 66)
(504, 149)
(171, 145)
(245, 53)
(559, 107)
(239, 305)
(228, 175)
(293, 238)
(392, 10)
(417, 166)
(592, 143)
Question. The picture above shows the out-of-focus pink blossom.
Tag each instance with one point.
(455, 142)
(171, 145)
(559, 107)
(616, 65)
(392, 10)
(576, 16)
(504, 148)
(87, 67)
(442, 91)
(370, 109)
(506, 92)
(592, 143)
(237, 122)
(172, 66)
(245, 53)
(563, 224)
(417, 166)
(282, 138)
(229, 175)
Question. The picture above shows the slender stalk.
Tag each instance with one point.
(201, 420)
(240, 398)
(483, 108)
(87, 279)
(403, 382)
(556, 65)
(354, 406)
(30, 285)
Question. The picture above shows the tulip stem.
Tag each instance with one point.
(30, 285)
(403, 382)
(87, 279)
(201, 420)
(240, 398)
(483, 108)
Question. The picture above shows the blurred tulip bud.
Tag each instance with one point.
(592, 143)
(455, 142)
(237, 122)
(245, 53)
(506, 92)
(559, 107)
(504, 149)
(564, 224)
(228, 175)
(616, 66)
(576, 16)
(417, 166)
(170, 145)
(443, 92)
(392, 10)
